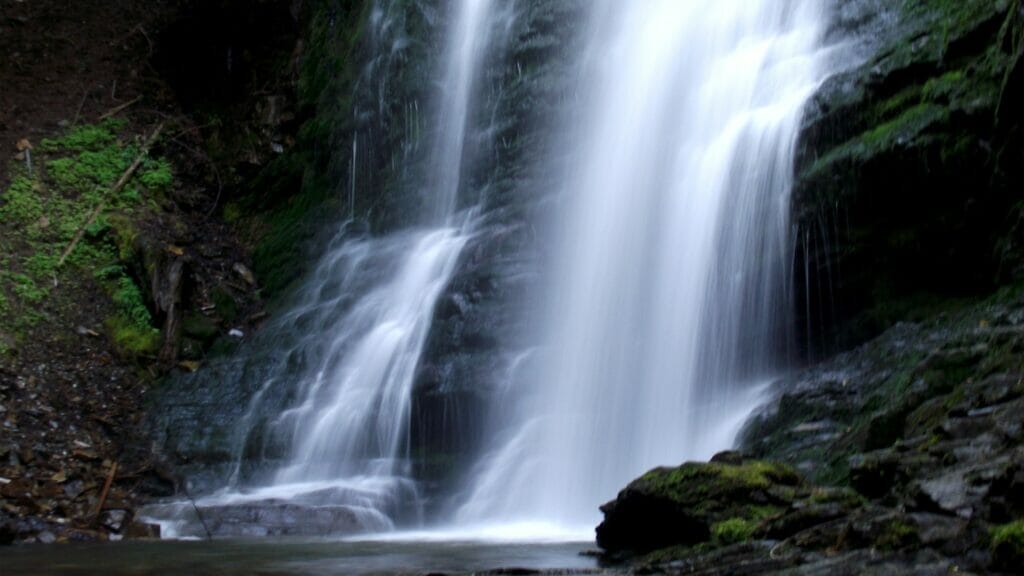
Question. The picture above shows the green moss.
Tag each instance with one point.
(898, 535)
(278, 257)
(42, 264)
(944, 22)
(124, 235)
(225, 304)
(299, 184)
(128, 299)
(22, 203)
(232, 212)
(157, 175)
(109, 272)
(90, 169)
(132, 339)
(909, 124)
(27, 290)
(894, 106)
(844, 496)
(81, 138)
(664, 556)
(678, 482)
(1009, 535)
(718, 491)
(941, 88)
(41, 215)
(200, 327)
(733, 531)
(900, 131)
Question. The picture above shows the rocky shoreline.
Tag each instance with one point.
(904, 456)
(106, 288)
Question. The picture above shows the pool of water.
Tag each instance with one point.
(294, 557)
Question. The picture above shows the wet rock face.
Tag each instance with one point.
(917, 400)
(280, 519)
(911, 450)
(923, 422)
(909, 168)
(479, 322)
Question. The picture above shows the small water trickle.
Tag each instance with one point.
(356, 335)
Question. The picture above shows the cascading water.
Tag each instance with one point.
(349, 350)
(354, 414)
(669, 296)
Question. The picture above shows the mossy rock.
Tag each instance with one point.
(733, 530)
(200, 328)
(191, 349)
(907, 174)
(898, 535)
(1008, 546)
(130, 339)
(225, 303)
(722, 502)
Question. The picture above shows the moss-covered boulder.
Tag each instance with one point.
(721, 502)
(1008, 547)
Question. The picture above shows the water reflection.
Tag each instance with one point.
(292, 557)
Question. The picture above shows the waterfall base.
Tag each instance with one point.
(339, 508)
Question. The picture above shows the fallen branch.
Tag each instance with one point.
(78, 113)
(146, 36)
(120, 108)
(104, 493)
(199, 515)
(121, 182)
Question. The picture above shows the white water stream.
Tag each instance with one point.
(669, 302)
(365, 314)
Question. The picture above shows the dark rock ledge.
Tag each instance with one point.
(904, 456)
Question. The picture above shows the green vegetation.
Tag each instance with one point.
(22, 203)
(653, 560)
(132, 339)
(902, 130)
(42, 213)
(752, 491)
(678, 482)
(25, 288)
(733, 531)
(297, 190)
(1011, 534)
(1007, 544)
(898, 535)
(926, 112)
(128, 300)
(89, 137)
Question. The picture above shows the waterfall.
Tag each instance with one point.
(353, 418)
(664, 270)
(669, 296)
(343, 357)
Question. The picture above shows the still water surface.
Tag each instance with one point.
(291, 558)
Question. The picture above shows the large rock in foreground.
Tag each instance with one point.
(724, 500)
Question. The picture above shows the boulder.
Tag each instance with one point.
(724, 500)
(1008, 547)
